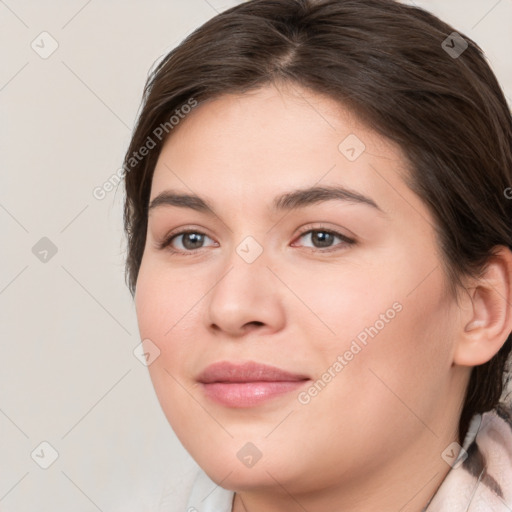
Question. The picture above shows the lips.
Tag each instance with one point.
(247, 384)
(247, 372)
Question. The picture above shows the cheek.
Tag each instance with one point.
(161, 308)
(404, 363)
(158, 315)
(166, 303)
(395, 338)
(342, 303)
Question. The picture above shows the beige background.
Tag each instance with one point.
(68, 375)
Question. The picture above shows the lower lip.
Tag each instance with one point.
(248, 394)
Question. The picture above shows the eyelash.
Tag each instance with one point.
(166, 243)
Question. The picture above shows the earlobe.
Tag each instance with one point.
(488, 323)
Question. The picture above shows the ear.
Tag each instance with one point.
(487, 319)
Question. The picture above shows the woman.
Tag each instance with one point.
(319, 248)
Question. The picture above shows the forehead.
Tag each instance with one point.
(250, 147)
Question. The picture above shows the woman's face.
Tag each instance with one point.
(343, 294)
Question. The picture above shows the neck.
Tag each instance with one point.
(407, 484)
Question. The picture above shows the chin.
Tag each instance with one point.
(236, 477)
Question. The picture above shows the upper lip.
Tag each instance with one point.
(225, 371)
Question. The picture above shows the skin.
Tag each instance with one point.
(372, 439)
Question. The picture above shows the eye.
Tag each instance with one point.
(187, 241)
(324, 239)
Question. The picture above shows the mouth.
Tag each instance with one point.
(248, 384)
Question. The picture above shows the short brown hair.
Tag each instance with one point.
(390, 63)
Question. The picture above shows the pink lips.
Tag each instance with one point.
(248, 384)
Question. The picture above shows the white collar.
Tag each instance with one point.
(207, 496)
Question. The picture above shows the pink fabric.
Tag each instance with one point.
(483, 481)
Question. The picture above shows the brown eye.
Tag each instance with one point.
(185, 241)
(192, 240)
(325, 239)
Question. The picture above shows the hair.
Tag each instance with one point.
(390, 64)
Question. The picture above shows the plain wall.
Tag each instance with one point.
(68, 375)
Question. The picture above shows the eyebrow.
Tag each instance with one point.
(296, 199)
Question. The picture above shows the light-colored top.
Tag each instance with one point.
(195, 492)
(206, 496)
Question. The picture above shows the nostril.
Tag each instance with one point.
(256, 323)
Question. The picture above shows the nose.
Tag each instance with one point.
(246, 297)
